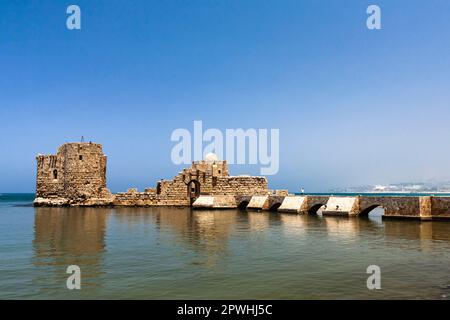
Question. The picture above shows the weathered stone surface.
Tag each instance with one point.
(274, 202)
(242, 201)
(394, 206)
(49, 202)
(76, 175)
(215, 202)
(204, 202)
(224, 202)
(341, 206)
(439, 207)
(292, 204)
(313, 203)
(259, 203)
(280, 192)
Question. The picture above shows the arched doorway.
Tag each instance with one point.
(193, 190)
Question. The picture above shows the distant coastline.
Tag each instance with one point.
(435, 187)
(375, 193)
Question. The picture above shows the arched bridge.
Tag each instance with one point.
(418, 207)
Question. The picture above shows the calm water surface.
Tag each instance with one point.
(168, 253)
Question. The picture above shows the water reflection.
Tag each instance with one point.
(295, 224)
(69, 236)
(206, 231)
(81, 231)
(194, 253)
(63, 236)
(258, 221)
(411, 230)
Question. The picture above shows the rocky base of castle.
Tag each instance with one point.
(63, 202)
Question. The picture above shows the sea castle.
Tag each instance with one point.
(76, 176)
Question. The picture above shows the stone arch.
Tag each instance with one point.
(193, 190)
(275, 206)
(274, 202)
(243, 204)
(158, 187)
(365, 212)
(242, 201)
(55, 174)
(314, 208)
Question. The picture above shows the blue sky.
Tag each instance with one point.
(353, 106)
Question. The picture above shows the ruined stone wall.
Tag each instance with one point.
(210, 177)
(240, 186)
(148, 198)
(76, 173)
(84, 169)
(47, 183)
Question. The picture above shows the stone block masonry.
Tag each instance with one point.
(76, 176)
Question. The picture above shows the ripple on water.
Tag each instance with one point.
(164, 253)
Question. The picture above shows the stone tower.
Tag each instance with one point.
(76, 174)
